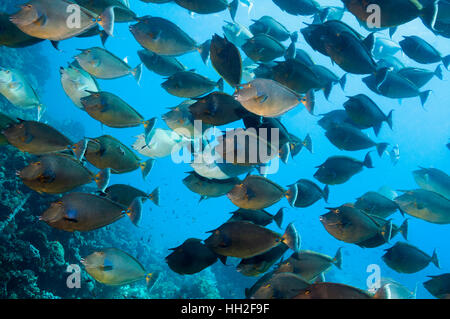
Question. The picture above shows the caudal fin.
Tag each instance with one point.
(424, 97)
(154, 196)
(381, 148)
(291, 194)
(434, 259)
(102, 179)
(233, 7)
(278, 218)
(220, 84)
(79, 149)
(135, 211)
(137, 73)
(146, 167)
(446, 61)
(404, 229)
(307, 143)
(389, 119)
(309, 101)
(149, 131)
(204, 50)
(368, 161)
(326, 193)
(106, 20)
(337, 260)
(438, 72)
(291, 238)
(343, 81)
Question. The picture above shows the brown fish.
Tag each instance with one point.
(226, 60)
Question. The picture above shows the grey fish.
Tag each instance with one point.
(162, 65)
(433, 179)
(408, 259)
(188, 84)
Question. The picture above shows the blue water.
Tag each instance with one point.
(420, 133)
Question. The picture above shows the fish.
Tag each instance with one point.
(103, 64)
(114, 267)
(226, 60)
(47, 19)
(258, 217)
(59, 173)
(236, 33)
(217, 109)
(328, 79)
(309, 193)
(161, 65)
(298, 7)
(257, 192)
(349, 138)
(438, 286)
(426, 205)
(309, 264)
(363, 111)
(85, 212)
(36, 138)
(408, 259)
(339, 169)
(422, 52)
(181, 121)
(77, 84)
(15, 87)
(191, 257)
(296, 76)
(122, 12)
(433, 179)
(334, 118)
(107, 152)
(260, 264)
(328, 290)
(243, 239)
(162, 144)
(269, 98)
(126, 194)
(263, 48)
(213, 6)
(188, 84)
(391, 289)
(278, 286)
(270, 26)
(11, 36)
(394, 13)
(395, 86)
(384, 47)
(394, 154)
(420, 77)
(379, 239)
(111, 110)
(163, 37)
(374, 203)
(208, 188)
(351, 225)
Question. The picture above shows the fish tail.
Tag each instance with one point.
(204, 50)
(381, 148)
(278, 218)
(135, 211)
(106, 20)
(435, 260)
(309, 101)
(291, 238)
(149, 131)
(284, 153)
(154, 196)
(343, 81)
(368, 161)
(146, 167)
(233, 7)
(438, 72)
(404, 229)
(326, 193)
(389, 119)
(327, 90)
(337, 260)
(424, 97)
(294, 37)
(102, 179)
(220, 84)
(291, 194)
(446, 61)
(137, 73)
(79, 149)
(386, 231)
(104, 37)
(307, 143)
